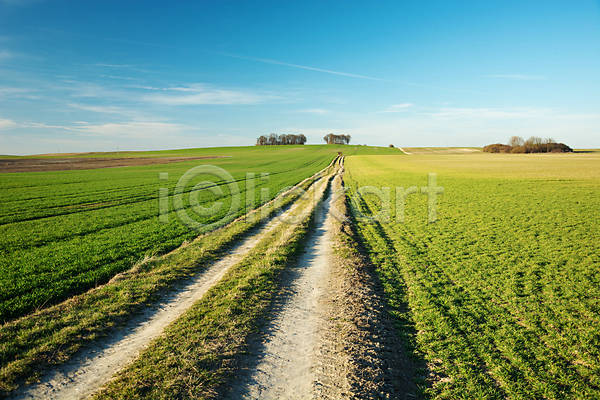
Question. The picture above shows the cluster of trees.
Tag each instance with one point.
(534, 144)
(284, 138)
(290, 138)
(332, 138)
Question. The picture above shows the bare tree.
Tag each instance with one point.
(516, 141)
(534, 140)
(332, 138)
(272, 139)
(534, 144)
(262, 140)
(282, 139)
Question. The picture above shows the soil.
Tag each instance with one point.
(68, 164)
(380, 365)
(331, 335)
(287, 359)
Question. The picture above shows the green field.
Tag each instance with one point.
(64, 232)
(501, 297)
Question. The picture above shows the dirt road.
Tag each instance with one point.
(287, 360)
(329, 334)
(94, 366)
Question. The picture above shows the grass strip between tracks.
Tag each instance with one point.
(380, 362)
(197, 351)
(51, 336)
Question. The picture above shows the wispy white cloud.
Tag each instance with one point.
(491, 113)
(112, 65)
(142, 130)
(7, 124)
(263, 60)
(195, 94)
(318, 111)
(398, 108)
(61, 141)
(328, 71)
(522, 77)
(256, 59)
(126, 129)
(200, 94)
(276, 62)
(460, 127)
(12, 92)
(89, 89)
(102, 109)
(143, 87)
(41, 125)
(5, 54)
(192, 88)
(117, 77)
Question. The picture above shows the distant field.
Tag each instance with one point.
(501, 295)
(441, 150)
(591, 151)
(63, 232)
(351, 150)
(215, 151)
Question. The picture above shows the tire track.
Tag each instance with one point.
(288, 362)
(97, 363)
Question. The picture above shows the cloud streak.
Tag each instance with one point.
(258, 59)
(493, 113)
(102, 109)
(6, 124)
(112, 65)
(328, 71)
(461, 126)
(317, 111)
(16, 92)
(398, 108)
(519, 77)
(276, 62)
(198, 94)
(5, 55)
(142, 130)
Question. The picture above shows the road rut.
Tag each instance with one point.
(97, 363)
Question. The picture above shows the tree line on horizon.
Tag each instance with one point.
(282, 139)
(332, 138)
(290, 138)
(534, 144)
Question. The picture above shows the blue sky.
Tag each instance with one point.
(143, 75)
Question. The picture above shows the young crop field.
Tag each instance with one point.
(64, 232)
(441, 150)
(501, 296)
